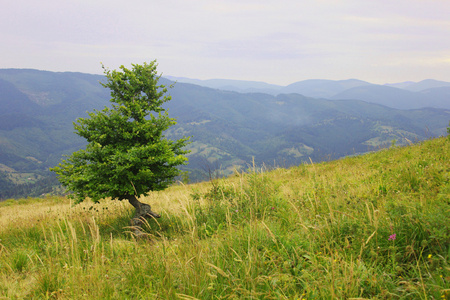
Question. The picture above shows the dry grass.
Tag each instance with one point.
(317, 231)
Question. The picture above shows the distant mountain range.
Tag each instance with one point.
(406, 95)
(421, 85)
(229, 129)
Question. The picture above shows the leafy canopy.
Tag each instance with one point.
(127, 153)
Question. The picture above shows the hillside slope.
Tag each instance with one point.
(373, 226)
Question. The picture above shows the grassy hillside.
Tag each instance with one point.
(374, 226)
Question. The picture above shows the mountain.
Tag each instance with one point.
(400, 85)
(241, 86)
(384, 95)
(291, 127)
(426, 84)
(15, 101)
(317, 88)
(405, 95)
(437, 97)
(320, 88)
(228, 129)
(419, 86)
(398, 98)
(37, 112)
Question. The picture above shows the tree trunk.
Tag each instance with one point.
(143, 211)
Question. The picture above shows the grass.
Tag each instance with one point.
(374, 226)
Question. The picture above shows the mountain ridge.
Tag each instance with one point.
(396, 95)
(245, 84)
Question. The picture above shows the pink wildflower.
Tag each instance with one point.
(392, 237)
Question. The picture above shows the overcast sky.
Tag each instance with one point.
(276, 41)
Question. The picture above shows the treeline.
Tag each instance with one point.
(9, 189)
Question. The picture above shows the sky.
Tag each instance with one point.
(275, 41)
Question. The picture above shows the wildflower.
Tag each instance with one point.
(392, 237)
(429, 255)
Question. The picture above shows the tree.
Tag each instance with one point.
(448, 130)
(127, 155)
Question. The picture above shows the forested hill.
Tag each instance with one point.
(228, 129)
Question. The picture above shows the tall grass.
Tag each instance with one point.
(368, 227)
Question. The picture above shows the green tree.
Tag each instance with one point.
(448, 130)
(127, 155)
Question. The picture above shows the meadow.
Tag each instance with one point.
(374, 226)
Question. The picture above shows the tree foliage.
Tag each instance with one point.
(127, 154)
(448, 130)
